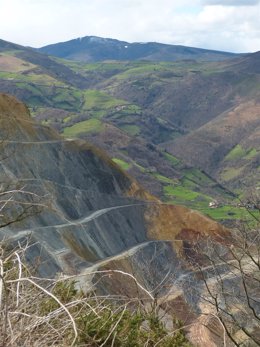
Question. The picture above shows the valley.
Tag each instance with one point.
(131, 183)
(175, 126)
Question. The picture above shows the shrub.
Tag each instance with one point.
(41, 312)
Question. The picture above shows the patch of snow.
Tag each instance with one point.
(126, 46)
(97, 39)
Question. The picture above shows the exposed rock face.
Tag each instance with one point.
(80, 181)
(97, 217)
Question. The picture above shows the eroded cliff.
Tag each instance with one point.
(93, 216)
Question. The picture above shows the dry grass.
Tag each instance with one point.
(9, 63)
(41, 312)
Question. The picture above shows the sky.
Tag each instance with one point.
(227, 25)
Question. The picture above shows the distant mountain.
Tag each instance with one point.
(93, 49)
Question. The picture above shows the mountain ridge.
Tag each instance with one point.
(93, 48)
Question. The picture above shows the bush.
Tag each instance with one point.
(39, 312)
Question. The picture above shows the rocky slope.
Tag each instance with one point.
(95, 209)
(93, 214)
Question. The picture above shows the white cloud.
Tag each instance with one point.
(231, 2)
(187, 22)
(230, 28)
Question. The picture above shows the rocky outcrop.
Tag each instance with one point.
(94, 216)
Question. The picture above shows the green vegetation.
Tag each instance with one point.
(173, 160)
(100, 67)
(251, 153)
(131, 109)
(162, 178)
(141, 168)
(238, 152)
(180, 192)
(200, 202)
(95, 99)
(131, 129)
(139, 68)
(187, 194)
(66, 98)
(230, 173)
(41, 79)
(192, 189)
(69, 118)
(197, 176)
(123, 164)
(225, 212)
(90, 125)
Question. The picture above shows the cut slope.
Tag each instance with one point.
(96, 209)
(100, 219)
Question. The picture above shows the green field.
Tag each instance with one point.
(131, 129)
(230, 173)
(180, 192)
(226, 212)
(238, 152)
(123, 164)
(97, 100)
(173, 160)
(162, 178)
(91, 125)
